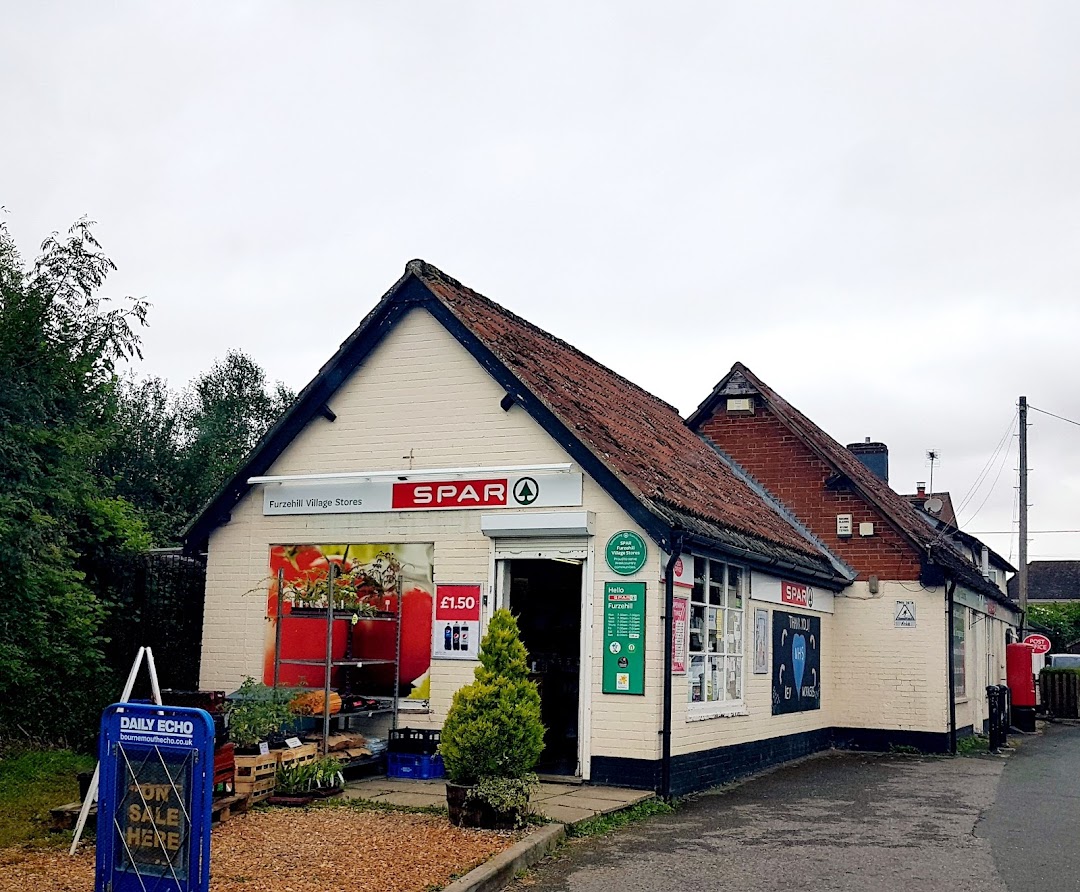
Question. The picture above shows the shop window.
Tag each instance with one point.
(959, 650)
(716, 635)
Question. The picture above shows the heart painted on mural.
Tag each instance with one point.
(798, 660)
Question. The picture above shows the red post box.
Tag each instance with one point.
(1018, 670)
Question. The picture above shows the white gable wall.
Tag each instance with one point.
(419, 393)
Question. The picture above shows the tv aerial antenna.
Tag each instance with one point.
(933, 456)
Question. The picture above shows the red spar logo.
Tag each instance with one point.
(450, 494)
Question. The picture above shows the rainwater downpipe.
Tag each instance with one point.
(669, 653)
(950, 589)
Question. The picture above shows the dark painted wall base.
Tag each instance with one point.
(708, 768)
(881, 740)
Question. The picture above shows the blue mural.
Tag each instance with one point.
(796, 662)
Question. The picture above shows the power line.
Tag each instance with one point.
(1001, 467)
(1010, 532)
(1052, 415)
(1013, 520)
(986, 470)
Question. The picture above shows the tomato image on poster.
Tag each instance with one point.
(368, 581)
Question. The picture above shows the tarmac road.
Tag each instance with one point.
(837, 821)
(1034, 824)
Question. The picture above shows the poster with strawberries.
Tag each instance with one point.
(369, 578)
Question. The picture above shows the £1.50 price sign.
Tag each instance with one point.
(455, 632)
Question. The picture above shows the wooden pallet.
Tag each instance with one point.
(301, 755)
(255, 768)
(221, 809)
(224, 807)
(64, 817)
(256, 790)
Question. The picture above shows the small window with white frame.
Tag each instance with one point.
(715, 643)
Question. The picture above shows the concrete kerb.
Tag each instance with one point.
(500, 870)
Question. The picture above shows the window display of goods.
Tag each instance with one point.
(313, 703)
(358, 703)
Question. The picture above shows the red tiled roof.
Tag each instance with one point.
(946, 515)
(895, 507)
(641, 441)
(639, 437)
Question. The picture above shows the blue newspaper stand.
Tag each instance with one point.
(153, 826)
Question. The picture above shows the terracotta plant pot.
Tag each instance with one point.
(475, 813)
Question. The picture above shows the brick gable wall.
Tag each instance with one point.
(780, 462)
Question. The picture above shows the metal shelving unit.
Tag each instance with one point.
(348, 662)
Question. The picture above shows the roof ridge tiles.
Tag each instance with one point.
(636, 445)
(897, 510)
(423, 269)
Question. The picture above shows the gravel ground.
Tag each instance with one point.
(286, 850)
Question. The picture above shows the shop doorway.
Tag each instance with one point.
(545, 595)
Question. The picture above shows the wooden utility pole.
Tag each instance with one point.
(1023, 581)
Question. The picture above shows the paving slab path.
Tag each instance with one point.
(837, 821)
(565, 803)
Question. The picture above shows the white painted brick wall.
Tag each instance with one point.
(692, 734)
(887, 677)
(420, 392)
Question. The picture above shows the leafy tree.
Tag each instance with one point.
(1060, 620)
(169, 453)
(59, 346)
(144, 452)
(222, 415)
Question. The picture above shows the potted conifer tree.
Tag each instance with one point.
(493, 735)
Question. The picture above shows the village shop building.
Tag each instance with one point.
(685, 627)
(928, 601)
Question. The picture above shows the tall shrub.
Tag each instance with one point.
(493, 729)
(60, 343)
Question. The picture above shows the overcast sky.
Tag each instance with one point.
(874, 206)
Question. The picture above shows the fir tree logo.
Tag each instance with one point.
(526, 491)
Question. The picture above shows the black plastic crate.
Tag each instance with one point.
(414, 741)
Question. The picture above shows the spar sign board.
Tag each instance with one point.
(367, 496)
(790, 594)
(153, 828)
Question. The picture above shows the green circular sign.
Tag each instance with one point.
(626, 552)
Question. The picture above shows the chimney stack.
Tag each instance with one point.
(874, 455)
(920, 488)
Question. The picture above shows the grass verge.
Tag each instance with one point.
(602, 824)
(31, 783)
(972, 745)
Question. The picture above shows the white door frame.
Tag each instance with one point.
(500, 588)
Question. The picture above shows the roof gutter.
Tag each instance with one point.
(798, 572)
